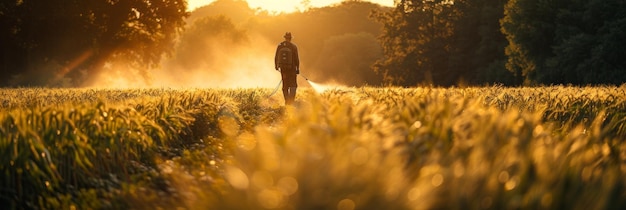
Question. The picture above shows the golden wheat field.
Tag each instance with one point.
(493, 147)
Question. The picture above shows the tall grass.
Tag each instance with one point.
(355, 148)
(58, 151)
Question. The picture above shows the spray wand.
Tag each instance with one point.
(304, 77)
(275, 89)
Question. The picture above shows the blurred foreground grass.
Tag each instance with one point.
(355, 148)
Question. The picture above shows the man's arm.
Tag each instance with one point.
(276, 58)
(296, 59)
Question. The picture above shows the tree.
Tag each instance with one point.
(65, 42)
(589, 47)
(566, 41)
(441, 42)
(12, 47)
(415, 42)
(478, 44)
(529, 26)
(238, 11)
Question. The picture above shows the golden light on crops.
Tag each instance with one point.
(233, 149)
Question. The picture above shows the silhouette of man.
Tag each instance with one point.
(288, 63)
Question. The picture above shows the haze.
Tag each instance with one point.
(227, 45)
(285, 6)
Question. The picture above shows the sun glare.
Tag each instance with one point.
(283, 6)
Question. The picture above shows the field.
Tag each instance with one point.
(494, 147)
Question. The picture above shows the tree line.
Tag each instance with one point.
(417, 42)
(511, 42)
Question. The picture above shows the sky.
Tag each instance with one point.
(283, 5)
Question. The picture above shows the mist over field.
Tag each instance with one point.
(220, 61)
(225, 44)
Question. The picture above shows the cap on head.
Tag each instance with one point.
(288, 35)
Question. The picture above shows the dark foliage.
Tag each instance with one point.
(65, 42)
(443, 43)
(566, 41)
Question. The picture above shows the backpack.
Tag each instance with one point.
(285, 55)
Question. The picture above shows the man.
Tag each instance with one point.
(288, 63)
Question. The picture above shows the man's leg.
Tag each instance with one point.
(289, 85)
(286, 95)
(292, 94)
(286, 84)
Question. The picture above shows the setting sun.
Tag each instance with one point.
(282, 6)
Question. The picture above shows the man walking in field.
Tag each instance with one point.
(288, 63)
